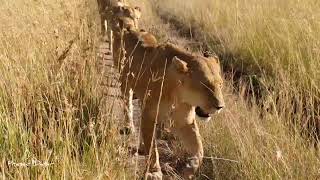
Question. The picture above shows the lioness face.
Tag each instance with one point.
(201, 85)
(126, 17)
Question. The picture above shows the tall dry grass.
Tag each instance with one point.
(276, 44)
(53, 109)
(247, 142)
(54, 121)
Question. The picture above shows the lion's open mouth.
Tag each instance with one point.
(201, 113)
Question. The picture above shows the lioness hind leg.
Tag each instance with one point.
(191, 139)
(147, 128)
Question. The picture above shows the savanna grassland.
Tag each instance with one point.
(270, 54)
(54, 117)
(54, 122)
(273, 44)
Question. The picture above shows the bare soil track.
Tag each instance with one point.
(112, 93)
(186, 37)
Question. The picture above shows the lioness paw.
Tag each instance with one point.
(154, 176)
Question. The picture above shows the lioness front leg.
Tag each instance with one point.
(186, 128)
(147, 131)
(128, 112)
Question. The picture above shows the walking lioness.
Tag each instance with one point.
(172, 83)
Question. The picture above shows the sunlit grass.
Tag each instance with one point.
(274, 43)
(278, 42)
(53, 112)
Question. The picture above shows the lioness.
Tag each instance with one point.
(181, 83)
(174, 83)
(124, 16)
(107, 7)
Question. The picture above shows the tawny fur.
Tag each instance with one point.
(195, 83)
(188, 81)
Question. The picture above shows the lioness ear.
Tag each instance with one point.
(212, 56)
(216, 58)
(137, 12)
(180, 65)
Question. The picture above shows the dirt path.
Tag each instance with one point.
(170, 162)
(112, 94)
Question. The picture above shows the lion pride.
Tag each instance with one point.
(170, 81)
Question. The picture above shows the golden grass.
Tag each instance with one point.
(52, 107)
(264, 147)
(53, 110)
(263, 143)
(270, 34)
(277, 41)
